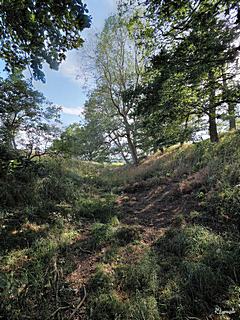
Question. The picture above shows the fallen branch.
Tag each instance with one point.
(56, 311)
(85, 250)
(79, 305)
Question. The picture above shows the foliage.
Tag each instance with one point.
(84, 142)
(192, 270)
(192, 72)
(28, 123)
(42, 31)
(119, 65)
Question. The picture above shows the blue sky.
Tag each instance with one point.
(61, 86)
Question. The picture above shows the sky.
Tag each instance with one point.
(62, 87)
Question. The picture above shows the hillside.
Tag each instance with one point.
(160, 241)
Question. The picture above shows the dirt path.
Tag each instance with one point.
(151, 207)
(155, 206)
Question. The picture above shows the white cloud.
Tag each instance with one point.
(75, 111)
(69, 67)
(112, 3)
(79, 65)
(76, 68)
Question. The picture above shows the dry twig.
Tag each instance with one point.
(79, 304)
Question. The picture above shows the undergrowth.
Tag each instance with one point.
(58, 212)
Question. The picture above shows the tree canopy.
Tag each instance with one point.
(34, 32)
(28, 123)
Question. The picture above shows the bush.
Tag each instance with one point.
(101, 209)
(101, 281)
(127, 234)
(101, 234)
(142, 276)
(107, 306)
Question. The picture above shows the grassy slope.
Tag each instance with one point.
(160, 241)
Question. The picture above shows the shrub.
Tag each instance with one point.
(141, 307)
(101, 281)
(107, 306)
(142, 276)
(101, 234)
(127, 234)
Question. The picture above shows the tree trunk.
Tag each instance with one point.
(232, 118)
(213, 126)
(124, 157)
(231, 106)
(131, 145)
(212, 111)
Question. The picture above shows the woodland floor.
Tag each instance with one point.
(152, 207)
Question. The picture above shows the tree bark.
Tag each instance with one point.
(231, 105)
(213, 133)
(232, 118)
(213, 126)
(131, 145)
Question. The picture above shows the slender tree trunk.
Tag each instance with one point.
(231, 106)
(232, 118)
(124, 157)
(212, 111)
(122, 152)
(131, 145)
(213, 126)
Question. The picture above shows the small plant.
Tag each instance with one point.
(107, 306)
(179, 220)
(141, 307)
(110, 254)
(142, 277)
(194, 214)
(101, 234)
(127, 234)
(101, 281)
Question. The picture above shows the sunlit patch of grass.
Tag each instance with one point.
(14, 259)
(144, 307)
(141, 276)
(96, 208)
(27, 273)
(112, 233)
(33, 227)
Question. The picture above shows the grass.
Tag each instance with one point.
(111, 233)
(61, 213)
(31, 274)
(189, 273)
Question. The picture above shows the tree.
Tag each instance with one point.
(34, 32)
(99, 110)
(28, 123)
(84, 142)
(191, 42)
(119, 65)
